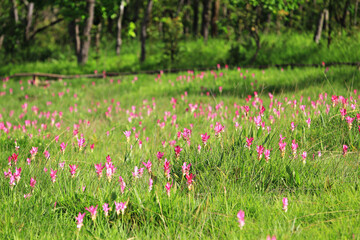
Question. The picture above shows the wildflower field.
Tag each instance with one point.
(223, 154)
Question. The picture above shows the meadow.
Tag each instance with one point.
(223, 154)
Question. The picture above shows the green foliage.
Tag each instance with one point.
(172, 34)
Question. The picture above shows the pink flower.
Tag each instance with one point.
(304, 155)
(53, 175)
(81, 143)
(292, 126)
(92, 210)
(204, 138)
(167, 168)
(267, 155)
(122, 184)
(62, 165)
(349, 121)
(99, 168)
(62, 147)
(241, 218)
(189, 180)
(343, 112)
(150, 184)
(80, 219)
(285, 204)
(32, 182)
(345, 149)
(218, 129)
(28, 160)
(159, 155)
(168, 188)
(121, 206)
(73, 169)
(260, 149)
(177, 150)
(106, 209)
(110, 170)
(294, 147)
(92, 147)
(127, 135)
(268, 237)
(148, 165)
(249, 142)
(308, 121)
(47, 154)
(33, 152)
(186, 168)
(17, 174)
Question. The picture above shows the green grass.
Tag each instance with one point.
(323, 193)
(193, 54)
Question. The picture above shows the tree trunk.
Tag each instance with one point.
(98, 37)
(196, 17)
(326, 19)
(29, 20)
(119, 27)
(1, 40)
(143, 30)
(319, 28)
(15, 11)
(206, 19)
(180, 5)
(356, 10)
(343, 19)
(85, 45)
(77, 37)
(268, 23)
(330, 24)
(215, 17)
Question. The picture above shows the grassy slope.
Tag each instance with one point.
(323, 194)
(276, 49)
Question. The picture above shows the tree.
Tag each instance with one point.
(143, 29)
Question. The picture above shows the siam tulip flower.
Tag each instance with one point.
(319, 153)
(92, 210)
(148, 166)
(53, 175)
(204, 138)
(81, 143)
(121, 206)
(267, 155)
(17, 174)
(260, 149)
(268, 237)
(282, 146)
(28, 160)
(106, 209)
(308, 121)
(32, 182)
(177, 150)
(12, 181)
(110, 170)
(199, 148)
(167, 169)
(292, 126)
(27, 195)
(285, 204)
(294, 147)
(62, 147)
(343, 113)
(186, 168)
(219, 129)
(127, 135)
(150, 184)
(304, 155)
(345, 149)
(122, 184)
(257, 121)
(57, 138)
(159, 155)
(33, 152)
(92, 147)
(80, 219)
(349, 121)
(241, 218)
(249, 142)
(108, 159)
(99, 168)
(8, 173)
(189, 180)
(45, 169)
(62, 165)
(168, 188)
(73, 169)
(140, 144)
(47, 154)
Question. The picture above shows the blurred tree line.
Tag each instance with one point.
(82, 24)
